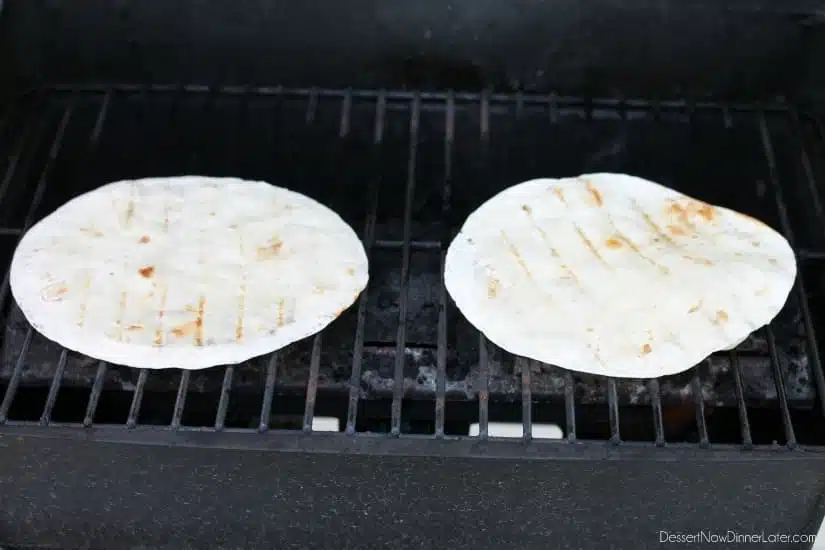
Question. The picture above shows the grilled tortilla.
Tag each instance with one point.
(614, 275)
(186, 272)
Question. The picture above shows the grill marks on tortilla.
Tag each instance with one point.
(652, 224)
(161, 313)
(493, 287)
(685, 210)
(675, 230)
(635, 248)
(91, 231)
(84, 305)
(130, 212)
(281, 313)
(121, 313)
(193, 327)
(595, 194)
(589, 245)
(547, 243)
(199, 322)
(514, 251)
(242, 296)
(272, 249)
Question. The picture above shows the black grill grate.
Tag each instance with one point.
(405, 168)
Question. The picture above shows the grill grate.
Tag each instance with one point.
(405, 168)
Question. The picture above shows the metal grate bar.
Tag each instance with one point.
(414, 245)
(201, 139)
(781, 392)
(656, 407)
(180, 401)
(134, 409)
(744, 424)
(701, 420)
(57, 143)
(369, 240)
(312, 104)
(613, 411)
(312, 384)
(94, 396)
(32, 133)
(100, 376)
(15, 377)
(346, 114)
(526, 398)
(41, 184)
(805, 159)
(813, 348)
(483, 389)
(784, 220)
(483, 354)
(269, 391)
(223, 403)
(398, 384)
(815, 255)
(485, 118)
(44, 176)
(441, 352)
(570, 405)
(54, 387)
(428, 96)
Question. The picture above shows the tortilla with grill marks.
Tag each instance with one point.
(187, 272)
(614, 275)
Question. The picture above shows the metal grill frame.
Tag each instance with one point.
(41, 457)
(350, 439)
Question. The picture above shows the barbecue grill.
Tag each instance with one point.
(400, 426)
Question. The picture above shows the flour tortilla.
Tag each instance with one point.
(613, 275)
(187, 272)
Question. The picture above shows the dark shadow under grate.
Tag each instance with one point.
(405, 169)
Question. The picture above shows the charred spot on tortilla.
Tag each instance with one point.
(272, 249)
(147, 272)
(613, 242)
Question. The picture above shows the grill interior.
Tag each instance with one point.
(405, 169)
